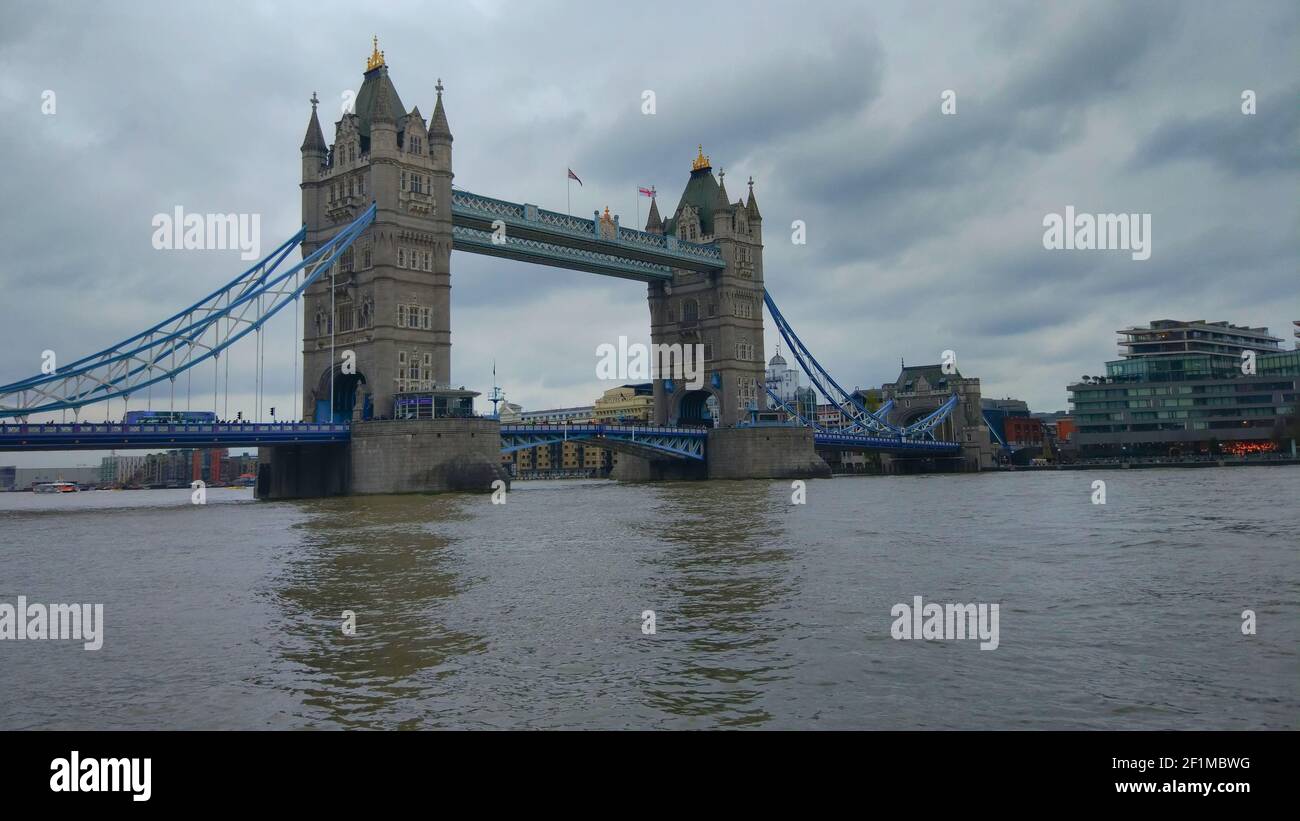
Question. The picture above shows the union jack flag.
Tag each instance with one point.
(574, 176)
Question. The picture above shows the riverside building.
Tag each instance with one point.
(1183, 389)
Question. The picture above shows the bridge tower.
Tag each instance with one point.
(389, 298)
(723, 311)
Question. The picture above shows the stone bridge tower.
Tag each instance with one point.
(723, 311)
(391, 291)
(922, 389)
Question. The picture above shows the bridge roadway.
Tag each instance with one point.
(660, 442)
(533, 234)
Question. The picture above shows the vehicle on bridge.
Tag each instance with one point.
(148, 417)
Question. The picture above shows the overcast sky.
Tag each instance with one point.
(924, 231)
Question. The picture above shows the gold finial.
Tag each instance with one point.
(376, 57)
(607, 217)
(701, 161)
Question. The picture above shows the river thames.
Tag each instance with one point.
(768, 614)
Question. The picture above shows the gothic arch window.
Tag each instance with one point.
(365, 257)
(690, 310)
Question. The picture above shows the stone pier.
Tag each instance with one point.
(764, 453)
(418, 456)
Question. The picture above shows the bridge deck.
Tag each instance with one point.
(533, 234)
(678, 442)
(117, 436)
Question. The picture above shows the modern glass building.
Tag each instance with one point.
(1185, 388)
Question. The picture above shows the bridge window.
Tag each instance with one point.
(415, 145)
(747, 391)
(352, 153)
(713, 309)
(690, 310)
(401, 257)
(346, 260)
(744, 350)
(365, 257)
(744, 309)
(403, 180)
(708, 351)
(346, 317)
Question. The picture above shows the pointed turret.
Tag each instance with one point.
(653, 223)
(314, 142)
(752, 205)
(723, 203)
(381, 110)
(439, 131)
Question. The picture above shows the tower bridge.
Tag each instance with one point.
(380, 220)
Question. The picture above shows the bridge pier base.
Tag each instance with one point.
(907, 465)
(764, 453)
(418, 456)
(630, 468)
(426, 456)
(302, 471)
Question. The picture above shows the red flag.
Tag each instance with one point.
(574, 176)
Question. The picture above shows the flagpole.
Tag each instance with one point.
(568, 195)
(638, 208)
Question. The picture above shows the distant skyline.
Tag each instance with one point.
(924, 230)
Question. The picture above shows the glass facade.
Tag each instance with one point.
(1188, 403)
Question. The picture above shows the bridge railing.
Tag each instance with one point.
(38, 428)
(560, 427)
